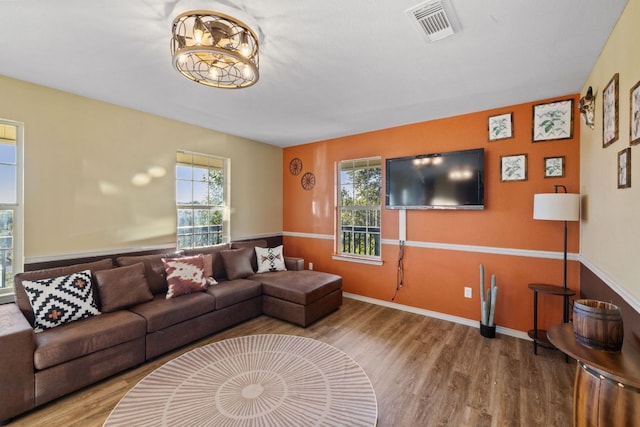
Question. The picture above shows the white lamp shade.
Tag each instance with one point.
(556, 206)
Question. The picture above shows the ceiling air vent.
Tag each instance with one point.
(432, 20)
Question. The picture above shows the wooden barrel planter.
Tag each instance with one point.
(597, 324)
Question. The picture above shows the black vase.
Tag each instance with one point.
(488, 331)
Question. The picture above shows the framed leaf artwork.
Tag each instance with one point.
(501, 127)
(634, 115)
(513, 167)
(624, 168)
(554, 167)
(610, 112)
(552, 121)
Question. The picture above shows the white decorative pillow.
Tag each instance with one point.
(61, 299)
(270, 259)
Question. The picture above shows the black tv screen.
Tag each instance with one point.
(451, 180)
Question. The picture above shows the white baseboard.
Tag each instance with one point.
(437, 315)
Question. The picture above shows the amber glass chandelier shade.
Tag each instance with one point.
(215, 49)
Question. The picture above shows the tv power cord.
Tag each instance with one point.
(400, 276)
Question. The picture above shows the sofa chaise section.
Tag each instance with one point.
(300, 297)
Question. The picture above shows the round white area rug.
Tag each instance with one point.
(256, 380)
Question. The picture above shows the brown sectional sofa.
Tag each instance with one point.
(36, 368)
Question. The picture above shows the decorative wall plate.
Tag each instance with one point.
(295, 166)
(308, 181)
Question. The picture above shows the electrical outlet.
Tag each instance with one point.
(467, 292)
(310, 266)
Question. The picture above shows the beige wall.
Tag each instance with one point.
(80, 157)
(611, 224)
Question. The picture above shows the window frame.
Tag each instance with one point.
(223, 208)
(17, 265)
(338, 233)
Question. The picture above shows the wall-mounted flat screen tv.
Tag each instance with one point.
(450, 180)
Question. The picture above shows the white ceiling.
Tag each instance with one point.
(328, 68)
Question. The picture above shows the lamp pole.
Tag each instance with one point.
(565, 313)
(565, 308)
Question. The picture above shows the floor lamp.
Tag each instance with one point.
(558, 206)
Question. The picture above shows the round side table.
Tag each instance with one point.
(539, 336)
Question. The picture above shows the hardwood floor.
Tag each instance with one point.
(425, 372)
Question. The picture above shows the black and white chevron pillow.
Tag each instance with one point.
(61, 299)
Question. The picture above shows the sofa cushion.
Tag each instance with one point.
(122, 287)
(231, 292)
(59, 300)
(161, 312)
(214, 251)
(184, 275)
(237, 262)
(207, 261)
(153, 268)
(301, 287)
(77, 339)
(207, 265)
(294, 263)
(21, 296)
(250, 244)
(270, 259)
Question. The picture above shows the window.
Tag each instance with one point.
(10, 205)
(201, 199)
(359, 207)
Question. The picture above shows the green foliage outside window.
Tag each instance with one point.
(6, 248)
(200, 200)
(10, 204)
(359, 207)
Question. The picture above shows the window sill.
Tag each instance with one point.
(6, 298)
(358, 260)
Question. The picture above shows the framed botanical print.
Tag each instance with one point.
(610, 112)
(553, 121)
(634, 115)
(554, 167)
(501, 126)
(624, 168)
(513, 167)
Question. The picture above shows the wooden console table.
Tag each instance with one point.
(607, 385)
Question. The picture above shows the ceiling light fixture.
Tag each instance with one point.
(215, 49)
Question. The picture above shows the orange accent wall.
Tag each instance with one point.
(434, 279)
